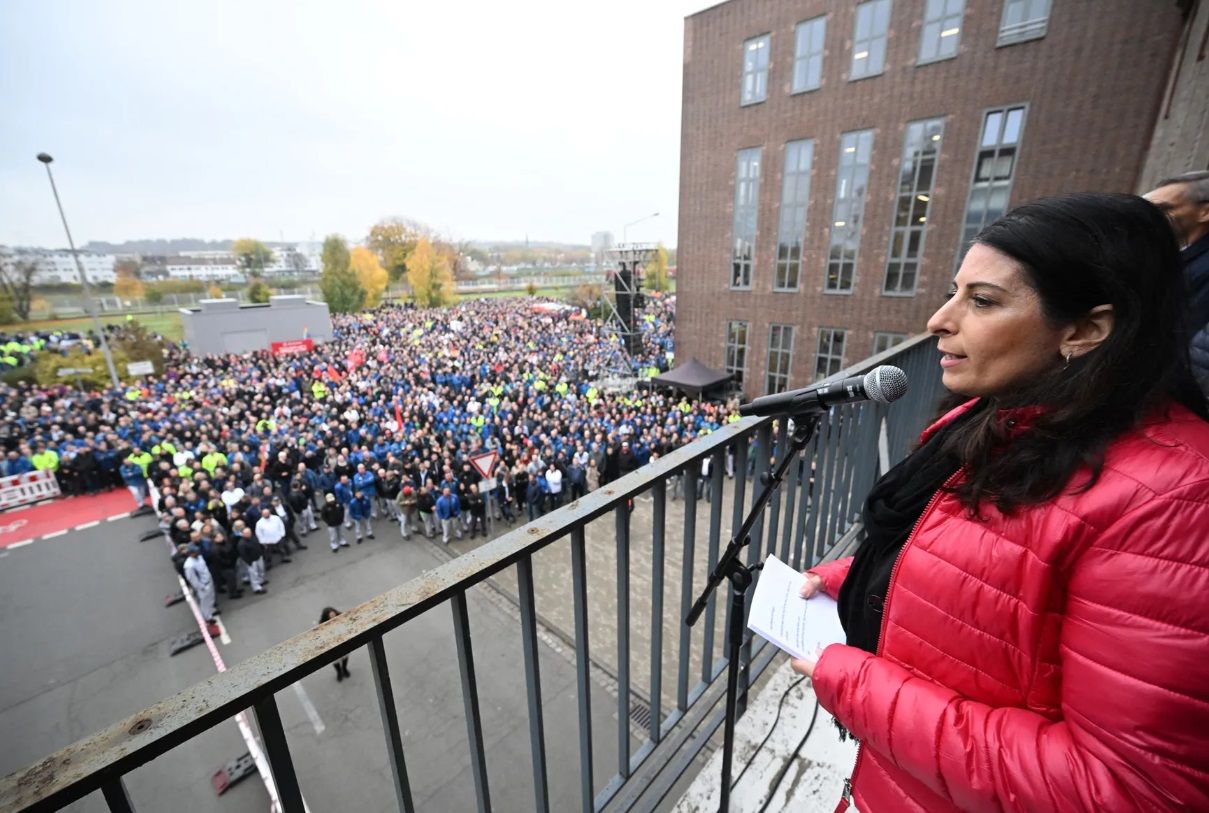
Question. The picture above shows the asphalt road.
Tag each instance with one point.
(85, 633)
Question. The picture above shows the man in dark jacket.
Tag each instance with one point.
(426, 505)
(1185, 199)
(226, 564)
(476, 507)
(333, 518)
(252, 554)
(626, 461)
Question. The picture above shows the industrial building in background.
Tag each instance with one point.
(287, 324)
(837, 159)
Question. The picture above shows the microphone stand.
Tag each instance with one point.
(740, 576)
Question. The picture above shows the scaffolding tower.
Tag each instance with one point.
(621, 305)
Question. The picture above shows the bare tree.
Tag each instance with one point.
(16, 284)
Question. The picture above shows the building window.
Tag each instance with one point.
(808, 54)
(780, 355)
(747, 195)
(921, 149)
(755, 70)
(991, 186)
(1023, 20)
(736, 349)
(830, 358)
(869, 39)
(941, 31)
(795, 193)
(848, 211)
(884, 341)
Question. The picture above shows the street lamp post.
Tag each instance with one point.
(626, 227)
(88, 305)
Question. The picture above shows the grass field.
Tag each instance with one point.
(168, 324)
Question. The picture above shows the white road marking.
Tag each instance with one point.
(222, 631)
(95, 522)
(44, 502)
(311, 712)
(52, 536)
(116, 517)
(21, 544)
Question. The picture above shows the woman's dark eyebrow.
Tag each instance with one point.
(972, 285)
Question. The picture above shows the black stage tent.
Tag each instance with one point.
(693, 378)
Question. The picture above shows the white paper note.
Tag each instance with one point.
(800, 627)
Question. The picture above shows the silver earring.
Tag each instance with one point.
(1068, 358)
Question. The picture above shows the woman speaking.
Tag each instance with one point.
(1027, 617)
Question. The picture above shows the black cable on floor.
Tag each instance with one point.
(772, 792)
(772, 728)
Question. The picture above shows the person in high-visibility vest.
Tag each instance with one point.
(140, 458)
(45, 459)
(212, 460)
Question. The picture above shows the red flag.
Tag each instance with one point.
(398, 417)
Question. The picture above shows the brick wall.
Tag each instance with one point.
(1092, 85)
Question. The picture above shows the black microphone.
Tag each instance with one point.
(882, 384)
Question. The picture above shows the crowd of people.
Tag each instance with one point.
(247, 454)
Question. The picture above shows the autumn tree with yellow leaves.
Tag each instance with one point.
(127, 286)
(370, 273)
(429, 276)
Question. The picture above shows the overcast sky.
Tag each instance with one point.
(292, 120)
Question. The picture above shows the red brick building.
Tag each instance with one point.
(836, 157)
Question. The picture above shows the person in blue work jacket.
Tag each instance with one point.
(136, 481)
(344, 493)
(367, 482)
(449, 508)
(360, 510)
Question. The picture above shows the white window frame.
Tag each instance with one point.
(884, 340)
(832, 334)
(747, 208)
(848, 210)
(735, 358)
(922, 141)
(1022, 21)
(869, 44)
(941, 29)
(795, 200)
(757, 54)
(771, 387)
(996, 148)
(806, 35)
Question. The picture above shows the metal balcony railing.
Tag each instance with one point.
(818, 506)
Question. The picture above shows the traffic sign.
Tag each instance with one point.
(64, 372)
(140, 368)
(485, 462)
(487, 484)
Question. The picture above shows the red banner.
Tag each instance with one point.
(291, 347)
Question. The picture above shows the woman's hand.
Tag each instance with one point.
(804, 666)
(812, 585)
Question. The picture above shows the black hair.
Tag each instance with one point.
(328, 614)
(1079, 251)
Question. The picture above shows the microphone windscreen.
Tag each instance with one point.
(885, 384)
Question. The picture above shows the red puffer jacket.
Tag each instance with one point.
(1052, 660)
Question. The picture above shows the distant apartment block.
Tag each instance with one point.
(837, 158)
(57, 267)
